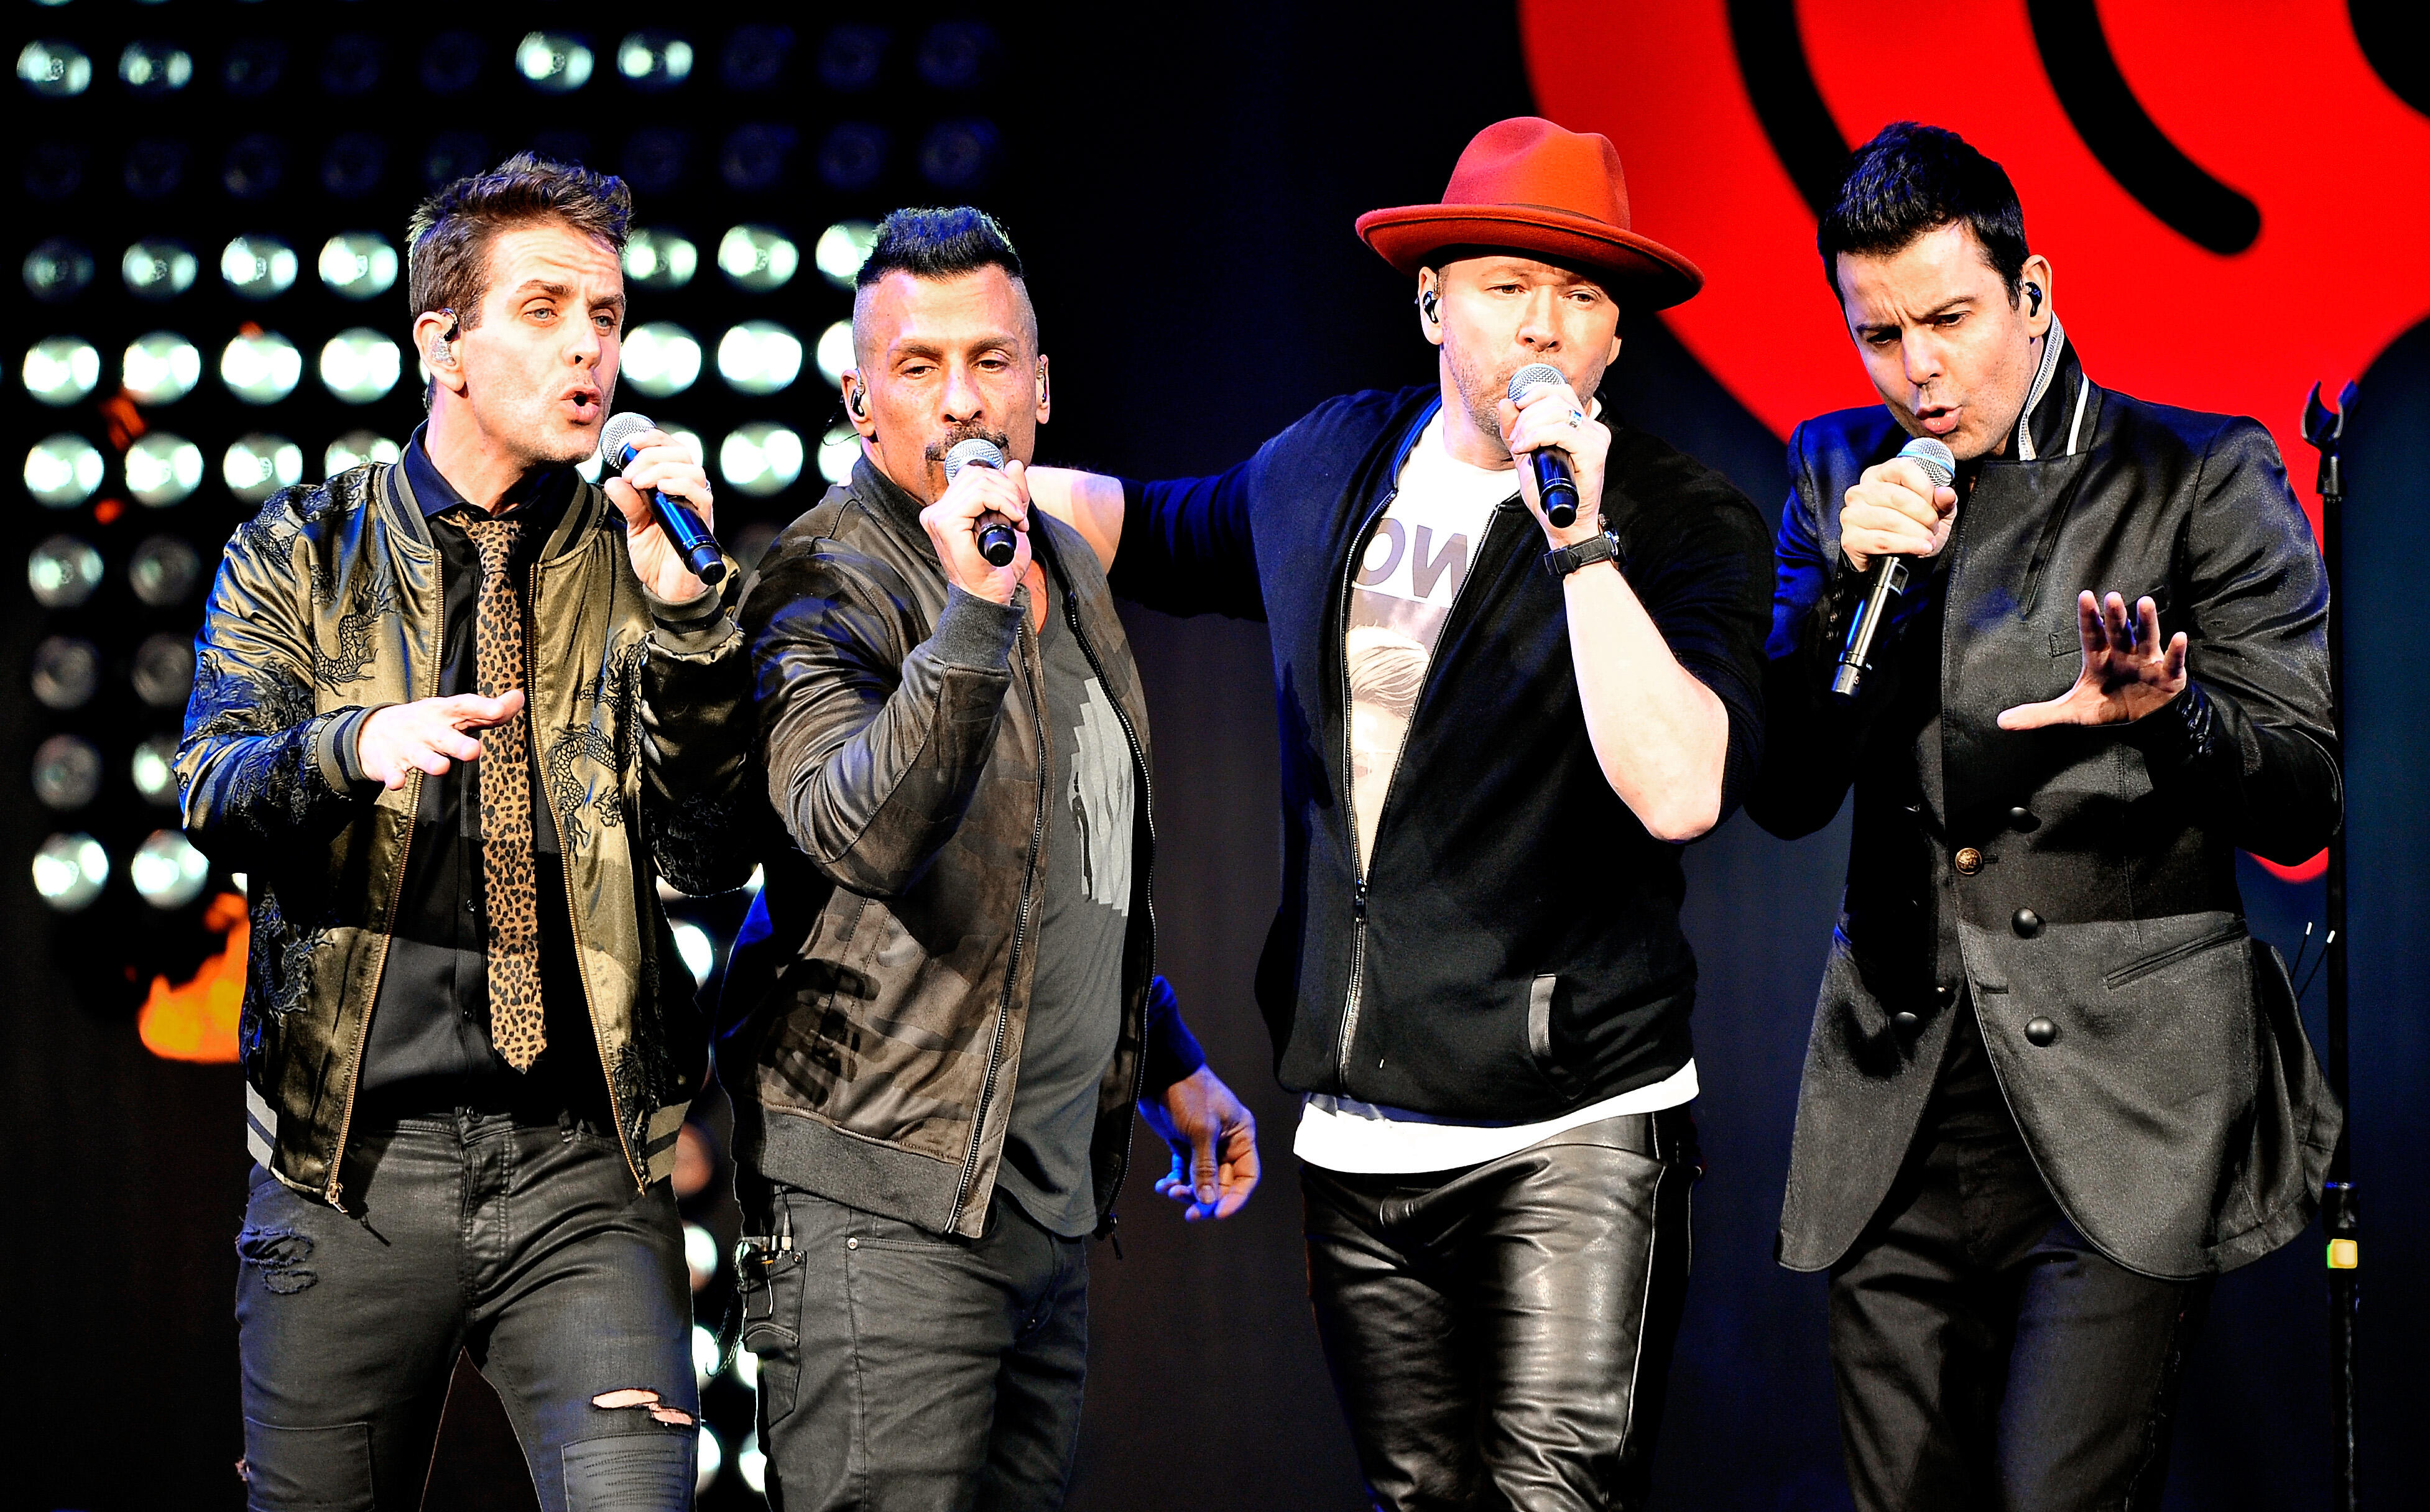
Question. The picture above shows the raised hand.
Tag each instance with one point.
(1553, 418)
(2127, 672)
(668, 466)
(1895, 510)
(952, 523)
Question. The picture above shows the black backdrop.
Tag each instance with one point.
(1187, 178)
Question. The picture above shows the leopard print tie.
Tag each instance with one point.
(516, 1027)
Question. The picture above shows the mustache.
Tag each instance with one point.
(956, 435)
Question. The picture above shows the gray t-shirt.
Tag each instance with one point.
(1075, 1001)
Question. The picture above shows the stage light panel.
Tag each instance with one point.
(757, 258)
(358, 265)
(163, 669)
(167, 870)
(258, 267)
(700, 1255)
(354, 448)
(751, 1461)
(67, 773)
(162, 468)
(554, 62)
(703, 1354)
(154, 770)
(159, 367)
(661, 359)
(66, 671)
(70, 871)
(54, 69)
(58, 270)
(653, 60)
(691, 943)
(260, 369)
(158, 268)
(452, 63)
(957, 154)
(259, 465)
(660, 260)
(63, 471)
(62, 370)
(62, 571)
(842, 248)
(837, 450)
(712, 1456)
(155, 68)
(761, 459)
(360, 365)
(163, 570)
(760, 357)
(834, 353)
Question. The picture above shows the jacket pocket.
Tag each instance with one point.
(2161, 961)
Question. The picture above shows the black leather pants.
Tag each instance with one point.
(1499, 1335)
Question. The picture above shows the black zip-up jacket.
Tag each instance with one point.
(1513, 950)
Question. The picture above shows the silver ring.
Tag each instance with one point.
(1577, 416)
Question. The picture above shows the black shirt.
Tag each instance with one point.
(428, 1047)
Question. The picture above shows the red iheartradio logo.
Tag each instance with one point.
(2235, 204)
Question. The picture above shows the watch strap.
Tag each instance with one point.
(1563, 561)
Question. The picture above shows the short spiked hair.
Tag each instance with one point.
(447, 242)
(1911, 179)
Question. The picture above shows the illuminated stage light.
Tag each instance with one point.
(760, 357)
(258, 267)
(838, 449)
(354, 448)
(712, 1460)
(700, 1256)
(751, 1461)
(834, 353)
(661, 359)
(62, 370)
(660, 260)
(259, 465)
(163, 570)
(66, 672)
(155, 772)
(262, 369)
(957, 154)
(163, 669)
(155, 68)
(58, 270)
(841, 249)
(162, 468)
(360, 365)
(63, 471)
(849, 58)
(157, 270)
(703, 1354)
(759, 257)
(70, 871)
(54, 69)
(691, 943)
(167, 870)
(761, 459)
(358, 265)
(62, 572)
(653, 60)
(159, 369)
(67, 772)
(554, 62)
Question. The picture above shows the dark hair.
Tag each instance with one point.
(1911, 179)
(447, 242)
(939, 243)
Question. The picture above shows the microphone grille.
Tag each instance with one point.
(619, 431)
(1534, 375)
(1939, 463)
(977, 449)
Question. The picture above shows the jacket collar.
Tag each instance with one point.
(2056, 421)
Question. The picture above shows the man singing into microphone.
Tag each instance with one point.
(1496, 731)
(2053, 1087)
(945, 995)
(455, 717)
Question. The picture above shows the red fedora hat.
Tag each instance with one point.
(1530, 186)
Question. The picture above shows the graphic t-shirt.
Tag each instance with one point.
(1082, 913)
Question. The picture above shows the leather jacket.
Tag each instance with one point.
(327, 607)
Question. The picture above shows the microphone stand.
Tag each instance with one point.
(2340, 1213)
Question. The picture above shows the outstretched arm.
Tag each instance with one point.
(1089, 503)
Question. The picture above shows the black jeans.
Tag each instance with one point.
(1499, 1335)
(902, 1371)
(1988, 1356)
(523, 1243)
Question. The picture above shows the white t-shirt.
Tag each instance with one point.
(1409, 576)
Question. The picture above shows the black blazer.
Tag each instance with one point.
(2082, 876)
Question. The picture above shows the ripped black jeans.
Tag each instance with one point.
(523, 1242)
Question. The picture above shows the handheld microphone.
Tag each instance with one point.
(683, 527)
(1888, 574)
(996, 541)
(1555, 483)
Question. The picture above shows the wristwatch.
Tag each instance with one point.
(1564, 561)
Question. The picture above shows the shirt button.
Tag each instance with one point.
(1970, 861)
(854, 1244)
(2041, 1031)
(2027, 924)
